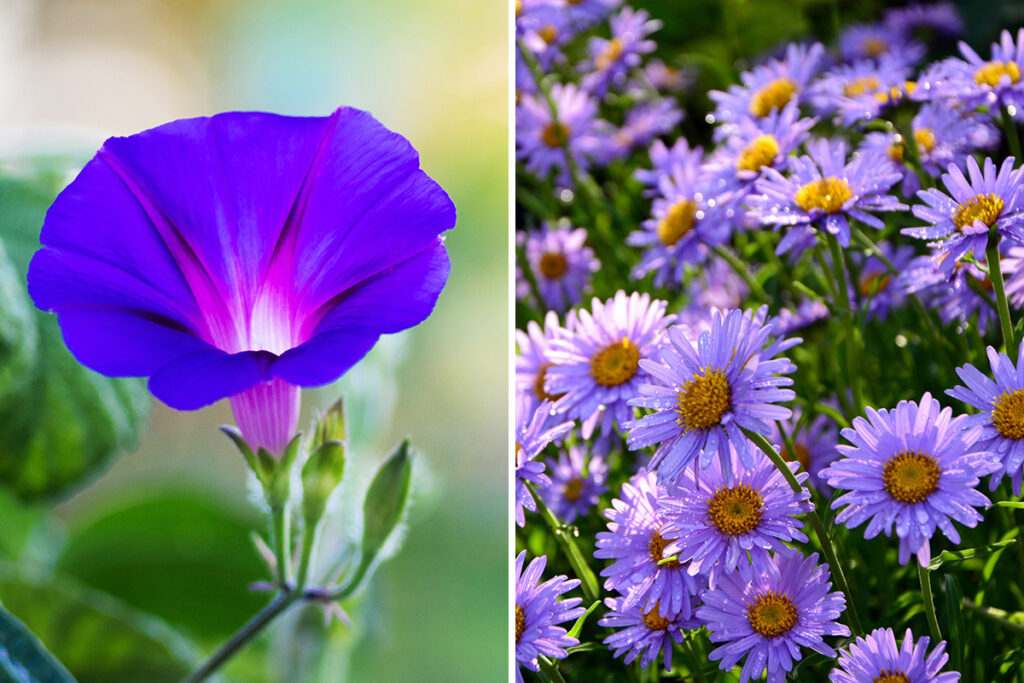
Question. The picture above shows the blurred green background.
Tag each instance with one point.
(157, 544)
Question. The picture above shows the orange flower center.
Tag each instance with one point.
(990, 74)
(735, 511)
(555, 135)
(615, 364)
(771, 614)
(553, 265)
(890, 676)
(679, 220)
(520, 622)
(772, 96)
(911, 476)
(656, 547)
(702, 400)
(1008, 414)
(760, 152)
(826, 194)
(983, 207)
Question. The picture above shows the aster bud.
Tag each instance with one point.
(320, 476)
(385, 501)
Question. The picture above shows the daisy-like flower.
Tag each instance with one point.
(814, 446)
(769, 615)
(1000, 424)
(874, 288)
(824, 192)
(643, 632)
(913, 467)
(856, 92)
(643, 123)
(704, 392)
(959, 219)
(955, 299)
(544, 27)
(768, 87)
(243, 256)
(679, 158)
(611, 59)
(995, 82)
(538, 613)
(879, 42)
(715, 526)
(667, 79)
(879, 658)
(804, 315)
(635, 543)
(543, 141)
(716, 285)
(585, 13)
(533, 433)
(532, 361)
(576, 483)
(561, 263)
(597, 368)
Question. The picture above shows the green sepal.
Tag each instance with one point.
(331, 425)
(385, 501)
(278, 488)
(320, 476)
(254, 463)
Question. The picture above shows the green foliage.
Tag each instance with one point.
(23, 659)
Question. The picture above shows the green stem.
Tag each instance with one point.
(550, 670)
(743, 271)
(255, 625)
(993, 614)
(924, 576)
(305, 560)
(826, 543)
(696, 669)
(844, 305)
(995, 273)
(279, 528)
(588, 581)
(1012, 136)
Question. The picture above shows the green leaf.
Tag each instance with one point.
(954, 613)
(98, 638)
(385, 500)
(948, 556)
(62, 422)
(17, 330)
(578, 626)
(23, 659)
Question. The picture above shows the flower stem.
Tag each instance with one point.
(308, 544)
(924, 576)
(743, 271)
(995, 273)
(279, 531)
(588, 581)
(844, 305)
(826, 543)
(1012, 136)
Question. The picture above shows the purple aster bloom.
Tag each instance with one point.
(993, 83)
(668, 79)
(586, 13)
(940, 18)
(768, 87)
(956, 298)
(874, 291)
(544, 27)
(960, 218)
(715, 526)
(769, 614)
(611, 59)
(532, 361)
(666, 160)
(704, 392)
(538, 613)
(635, 543)
(241, 256)
(561, 264)
(533, 433)
(824, 192)
(806, 314)
(716, 285)
(914, 467)
(641, 632)
(999, 425)
(877, 42)
(814, 445)
(543, 142)
(644, 122)
(597, 367)
(879, 658)
(853, 90)
(576, 483)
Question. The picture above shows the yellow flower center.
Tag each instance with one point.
(548, 33)
(553, 265)
(656, 548)
(702, 400)
(519, 7)
(925, 139)
(735, 511)
(519, 453)
(993, 72)
(520, 622)
(1008, 414)
(895, 152)
(802, 455)
(911, 476)
(890, 676)
(679, 220)
(615, 364)
(895, 93)
(826, 194)
(771, 614)
(609, 54)
(538, 385)
(654, 621)
(760, 152)
(873, 284)
(555, 134)
(573, 490)
(861, 86)
(874, 46)
(771, 96)
(983, 207)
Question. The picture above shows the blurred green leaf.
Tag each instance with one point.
(23, 659)
(948, 556)
(62, 422)
(175, 555)
(98, 638)
(17, 330)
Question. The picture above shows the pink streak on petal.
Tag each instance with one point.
(268, 414)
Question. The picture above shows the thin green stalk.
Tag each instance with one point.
(846, 308)
(698, 672)
(305, 560)
(279, 529)
(588, 581)
(993, 614)
(924, 576)
(550, 670)
(827, 548)
(1012, 135)
(743, 271)
(995, 273)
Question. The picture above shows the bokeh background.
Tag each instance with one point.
(162, 531)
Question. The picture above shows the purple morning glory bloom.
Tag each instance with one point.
(243, 255)
(879, 658)
(538, 613)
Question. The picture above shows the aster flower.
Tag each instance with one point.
(940, 18)
(641, 632)
(716, 285)
(543, 27)
(610, 59)
(243, 256)
(576, 483)
(635, 543)
(532, 360)
(879, 658)
(586, 13)
(877, 42)
(679, 158)
(534, 432)
(668, 79)
(643, 123)
(856, 92)
(995, 82)
(960, 218)
(704, 392)
(1000, 423)
(914, 467)
(597, 368)
(874, 286)
(561, 263)
(804, 315)
(814, 445)
(538, 613)
(543, 141)
(824, 192)
(768, 616)
(715, 526)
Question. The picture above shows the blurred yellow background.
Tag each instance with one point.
(73, 72)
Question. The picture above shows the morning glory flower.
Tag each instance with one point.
(243, 256)
(878, 657)
(538, 613)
